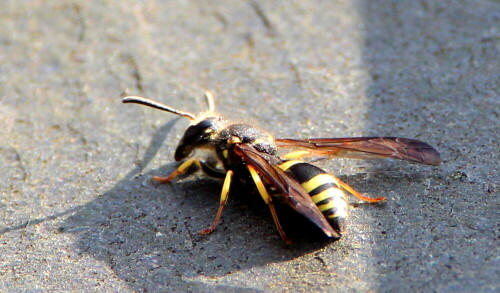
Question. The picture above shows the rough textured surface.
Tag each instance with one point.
(78, 210)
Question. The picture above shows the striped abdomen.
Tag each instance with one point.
(323, 189)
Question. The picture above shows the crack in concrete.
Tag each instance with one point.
(81, 23)
(263, 18)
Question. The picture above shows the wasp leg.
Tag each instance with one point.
(186, 165)
(180, 170)
(223, 200)
(296, 155)
(267, 199)
(354, 192)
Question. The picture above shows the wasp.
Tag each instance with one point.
(244, 149)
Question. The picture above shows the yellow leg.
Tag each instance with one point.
(267, 199)
(355, 193)
(180, 170)
(223, 200)
(296, 155)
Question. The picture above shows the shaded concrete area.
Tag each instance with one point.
(78, 210)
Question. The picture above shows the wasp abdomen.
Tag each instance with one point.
(323, 189)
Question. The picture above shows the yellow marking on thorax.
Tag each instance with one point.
(286, 165)
(317, 181)
(225, 153)
(233, 140)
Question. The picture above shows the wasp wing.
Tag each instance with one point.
(293, 193)
(368, 148)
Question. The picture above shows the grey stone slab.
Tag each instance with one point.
(78, 211)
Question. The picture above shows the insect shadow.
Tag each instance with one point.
(147, 233)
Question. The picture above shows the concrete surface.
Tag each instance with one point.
(78, 211)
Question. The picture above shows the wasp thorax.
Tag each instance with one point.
(199, 135)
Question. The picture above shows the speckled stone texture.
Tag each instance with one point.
(78, 211)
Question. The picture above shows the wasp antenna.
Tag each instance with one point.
(157, 105)
(210, 101)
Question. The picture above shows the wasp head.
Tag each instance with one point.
(199, 135)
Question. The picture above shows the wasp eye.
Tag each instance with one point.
(205, 124)
(194, 136)
(196, 131)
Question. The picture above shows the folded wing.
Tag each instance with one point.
(368, 148)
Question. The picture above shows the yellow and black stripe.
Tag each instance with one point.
(323, 189)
